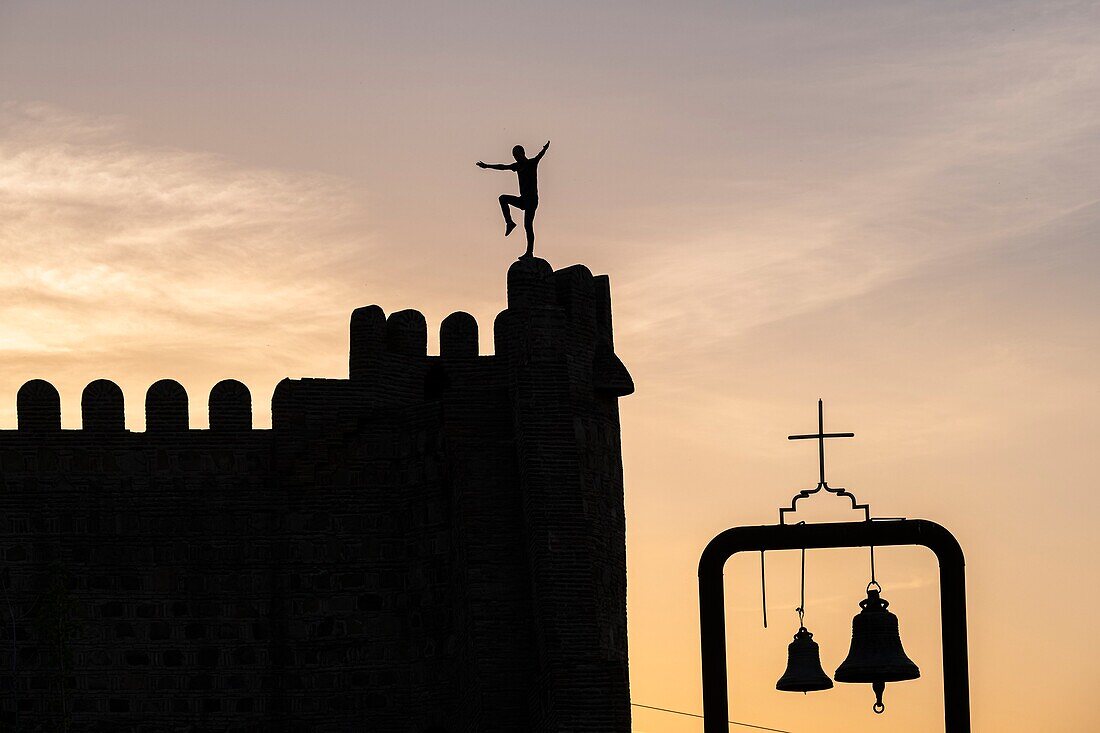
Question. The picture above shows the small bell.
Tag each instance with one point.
(804, 672)
(876, 655)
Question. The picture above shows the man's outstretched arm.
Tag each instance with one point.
(495, 166)
(542, 152)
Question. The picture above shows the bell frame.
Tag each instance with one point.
(879, 533)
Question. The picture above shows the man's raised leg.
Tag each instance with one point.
(505, 201)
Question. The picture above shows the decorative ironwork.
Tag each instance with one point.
(820, 436)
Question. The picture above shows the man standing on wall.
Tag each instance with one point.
(528, 200)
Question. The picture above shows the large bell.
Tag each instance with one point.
(804, 672)
(876, 655)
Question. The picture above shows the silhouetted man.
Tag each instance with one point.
(528, 199)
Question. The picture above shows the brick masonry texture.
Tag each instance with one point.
(435, 544)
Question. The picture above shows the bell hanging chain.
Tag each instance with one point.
(802, 592)
(803, 673)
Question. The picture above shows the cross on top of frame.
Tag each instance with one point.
(820, 436)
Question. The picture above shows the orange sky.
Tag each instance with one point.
(891, 206)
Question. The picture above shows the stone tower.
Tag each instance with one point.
(436, 543)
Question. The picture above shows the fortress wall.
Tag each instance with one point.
(137, 568)
(435, 543)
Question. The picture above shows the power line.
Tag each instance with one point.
(694, 715)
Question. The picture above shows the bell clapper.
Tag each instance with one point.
(879, 687)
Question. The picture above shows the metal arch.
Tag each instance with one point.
(712, 621)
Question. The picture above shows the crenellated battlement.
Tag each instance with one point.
(379, 344)
(433, 540)
(102, 408)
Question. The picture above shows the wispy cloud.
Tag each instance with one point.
(128, 254)
(960, 151)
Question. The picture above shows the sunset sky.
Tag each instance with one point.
(892, 206)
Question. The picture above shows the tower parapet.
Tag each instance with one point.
(458, 336)
(166, 407)
(102, 408)
(38, 407)
(433, 543)
(230, 406)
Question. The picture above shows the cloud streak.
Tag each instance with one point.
(129, 254)
(971, 151)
